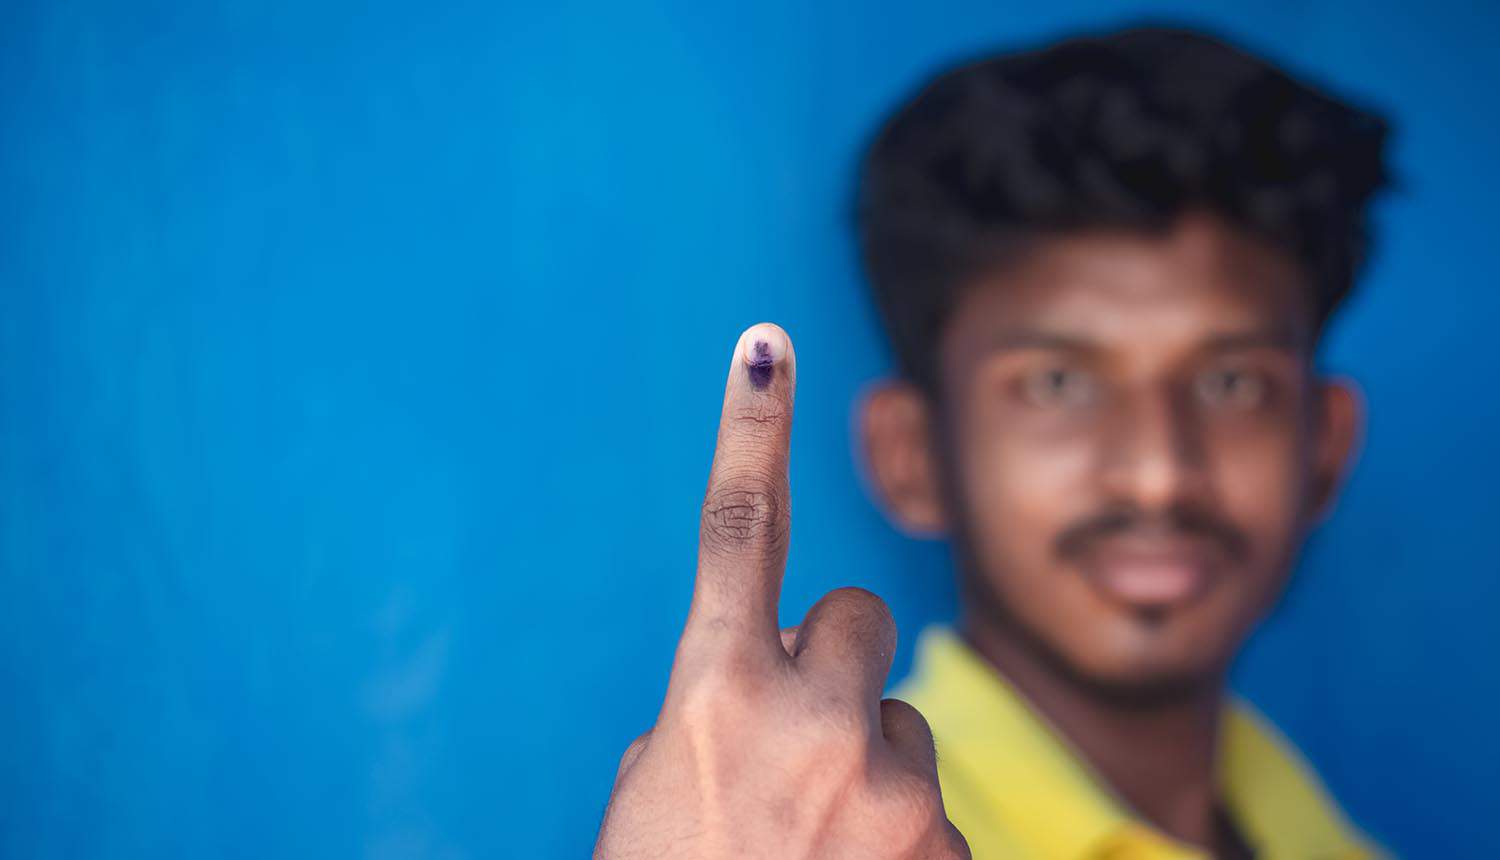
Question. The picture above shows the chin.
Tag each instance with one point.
(1146, 678)
(1147, 685)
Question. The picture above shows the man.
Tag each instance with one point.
(1105, 267)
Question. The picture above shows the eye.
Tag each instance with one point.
(1233, 388)
(1056, 386)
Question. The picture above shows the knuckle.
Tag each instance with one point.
(862, 603)
(903, 713)
(958, 846)
(763, 416)
(745, 514)
(909, 731)
(633, 751)
(902, 717)
(866, 617)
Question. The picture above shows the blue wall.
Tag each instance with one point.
(360, 365)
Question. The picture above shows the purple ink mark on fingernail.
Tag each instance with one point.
(761, 364)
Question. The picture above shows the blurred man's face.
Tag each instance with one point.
(1133, 445)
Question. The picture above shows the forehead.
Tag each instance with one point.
(1199, 283)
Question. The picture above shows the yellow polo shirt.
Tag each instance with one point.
(1015, 789)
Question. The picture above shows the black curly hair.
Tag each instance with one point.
(1122, 130)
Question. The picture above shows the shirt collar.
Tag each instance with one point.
(989, 737)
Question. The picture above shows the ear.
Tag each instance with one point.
(1340, 430)
(894, 427)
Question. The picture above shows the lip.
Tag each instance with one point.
(1151, 573)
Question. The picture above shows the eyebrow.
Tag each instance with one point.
(1015, 339)
(1277, 337)
(1274, 337)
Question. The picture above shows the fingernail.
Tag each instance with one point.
(764, 345)
(761, 364)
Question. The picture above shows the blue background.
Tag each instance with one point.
(360, 369)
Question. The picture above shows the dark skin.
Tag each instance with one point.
(1129, 447)
(772, 743)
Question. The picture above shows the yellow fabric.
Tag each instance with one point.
(1015, 789)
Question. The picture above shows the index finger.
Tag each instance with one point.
(746, 521)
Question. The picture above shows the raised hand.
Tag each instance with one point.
(774, 744)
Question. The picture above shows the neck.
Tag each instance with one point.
(1158, 758)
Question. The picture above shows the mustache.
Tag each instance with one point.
(1183, 520)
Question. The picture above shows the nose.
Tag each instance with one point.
(1153, 453)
